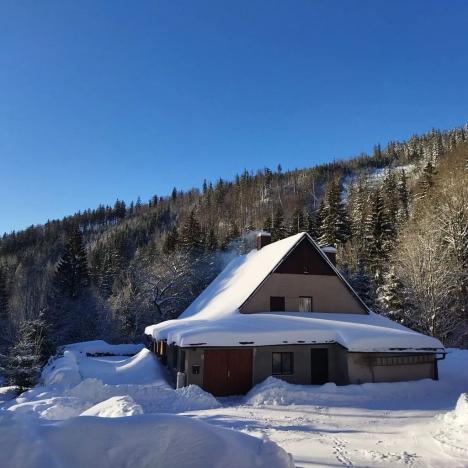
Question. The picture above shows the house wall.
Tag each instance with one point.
(361, 370)
(194, 357)
(337, 364)
(328, 292)
(343, 367)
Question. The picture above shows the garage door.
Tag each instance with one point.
(227, 371)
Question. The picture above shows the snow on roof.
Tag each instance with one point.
(233, 286)
(213, 319)
(356, 332)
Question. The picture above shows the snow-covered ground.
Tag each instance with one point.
(111, 407)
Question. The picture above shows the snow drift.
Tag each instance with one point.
(141, 441)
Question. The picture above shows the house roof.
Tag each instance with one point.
(242, 277)
(213, 319)
(356, 332)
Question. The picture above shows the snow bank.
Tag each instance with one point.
(459, 416)
(115, 407)
(152, 398)
(75, 365)
(142, 441)
(101, 347)
(422, 394)
(7, 393)
(75, 383)
(452, 429)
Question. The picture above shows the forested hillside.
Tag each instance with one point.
(399, 219)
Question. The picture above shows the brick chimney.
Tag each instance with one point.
(330, 252)
(263, 238)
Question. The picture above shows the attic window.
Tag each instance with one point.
(305, 304)
(306, 269)
(277, 304)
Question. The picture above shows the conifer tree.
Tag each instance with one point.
(109, 271)
(211, 240)
(191, 236)
(267, 224)
(72, 276)
(311, 224)
(319, 217)
(22, 365)
(298, 222)
(391, 202)
(4, 299)
(172, 240)
(357, 206)
(403, 197)
(377, 230)
(278, 229)
(335, 225)
(390, 297)
(427, 179)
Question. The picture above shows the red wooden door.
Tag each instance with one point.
(227, 371)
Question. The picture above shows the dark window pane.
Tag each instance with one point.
(276, 363)
(277, 304)
(287, 363)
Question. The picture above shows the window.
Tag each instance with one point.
(402, 360)
(277, 304)
(305, 304)
(282, 363)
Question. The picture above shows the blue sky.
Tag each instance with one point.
(116, 99)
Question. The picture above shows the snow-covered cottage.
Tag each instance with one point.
(285, 310)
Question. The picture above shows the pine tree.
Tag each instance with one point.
(278, 229)
(191, 235)
(391, 202)
(427, 179)
(403, 197)
(172, 240)
(72, 276)
(22, 365)
(357, 206)
(377, 231)
(174, 194)
(390, 297)
(4, 299)
(311, 224)
(335, 224)
(120, 209)
(109, 271)
(298, 222)
(211, 241)
(267, 224)
(319, 217)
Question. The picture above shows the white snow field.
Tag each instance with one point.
(93, 405)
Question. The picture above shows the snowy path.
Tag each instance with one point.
(325, 436)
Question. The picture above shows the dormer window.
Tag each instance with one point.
(277, 304)
(305, 304)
